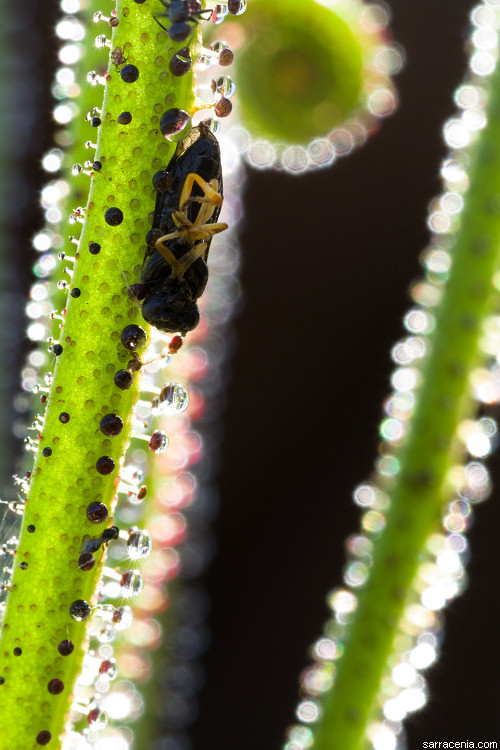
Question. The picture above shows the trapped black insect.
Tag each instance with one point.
(187, 208)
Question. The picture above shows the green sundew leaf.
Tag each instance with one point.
(77, 463)
(300, 72)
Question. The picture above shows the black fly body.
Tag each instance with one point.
(188, 203)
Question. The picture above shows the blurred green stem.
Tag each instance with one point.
(431, 448)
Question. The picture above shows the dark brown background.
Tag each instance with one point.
(308, 378)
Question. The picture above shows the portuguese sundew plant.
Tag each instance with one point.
(137, 527)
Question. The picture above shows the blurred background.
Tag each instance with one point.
(308, 376)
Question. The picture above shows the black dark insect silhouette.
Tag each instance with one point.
(92, 544)
(188, 203)
(180, 13)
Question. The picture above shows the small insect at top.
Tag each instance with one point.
(180, 13)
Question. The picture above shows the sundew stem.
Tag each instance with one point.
(422, 484)
(76, 463)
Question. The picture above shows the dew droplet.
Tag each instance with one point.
(123, 379)
(175, 344)
(308, 711)
(133, 337)
(213, 125)
(482, 63)
(113, 216)
(226, 56)
(224, 86)
(173, 399)
(131, 583)
(111, 425)
(129, 73)
(43, 737)
(262, 154)
(97, 512)
(181, 62)
(106, 633)
(122, 617)
(105, 465)
(139, 544)
(223, 108)
(124, 118)
(55, 686)
(175, 124)
(321, 152)
(295, 159)
(219, 14)
(86, 561)
(65, 648)
(236, 7)
(299, 738)
(102, 41)
(132, 474)
(97, 719)
(108, 668)
(158, 441)
(80, 610)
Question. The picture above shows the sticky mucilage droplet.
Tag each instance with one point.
(175, 124)
(133, 337)
(80, 610)
(173, 399)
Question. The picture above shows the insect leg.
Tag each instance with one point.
(179, 267)
(205, 213)
(187, 260)
(202, 228)
(193, 232)
(199, 14)
(166, 253)
(160, 24)
(207, 206)
(210, 194)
